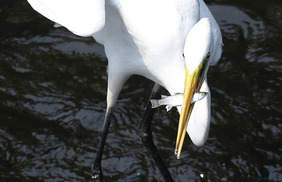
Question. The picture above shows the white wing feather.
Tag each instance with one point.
(82, 17)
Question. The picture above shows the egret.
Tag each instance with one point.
(171, 42)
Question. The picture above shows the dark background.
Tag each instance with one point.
(53, 99)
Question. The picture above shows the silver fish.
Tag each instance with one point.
(175, 100)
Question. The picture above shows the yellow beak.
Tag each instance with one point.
(193, 83)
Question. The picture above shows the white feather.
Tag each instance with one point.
(82, 17)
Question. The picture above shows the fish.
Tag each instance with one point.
(175, 100)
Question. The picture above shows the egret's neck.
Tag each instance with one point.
(170, 74)
(160, 36)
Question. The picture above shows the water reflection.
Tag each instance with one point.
(53, 90)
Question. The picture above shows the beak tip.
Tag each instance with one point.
(177, 153)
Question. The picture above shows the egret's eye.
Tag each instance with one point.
(183, 55)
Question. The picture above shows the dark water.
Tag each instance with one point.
(52, 104)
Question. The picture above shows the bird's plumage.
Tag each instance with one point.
(143, 37)
(83, 18)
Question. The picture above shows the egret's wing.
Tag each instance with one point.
(205, 13)
(82, 17)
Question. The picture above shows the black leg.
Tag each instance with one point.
(145, 133)
(97, 174)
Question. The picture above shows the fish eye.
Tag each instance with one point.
(208, 56)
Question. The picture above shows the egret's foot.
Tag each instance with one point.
(97, 174)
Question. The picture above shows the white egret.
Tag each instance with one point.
(171, 42)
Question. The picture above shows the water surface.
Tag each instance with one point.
(53, 92)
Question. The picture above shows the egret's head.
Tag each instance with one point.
(197, 52)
